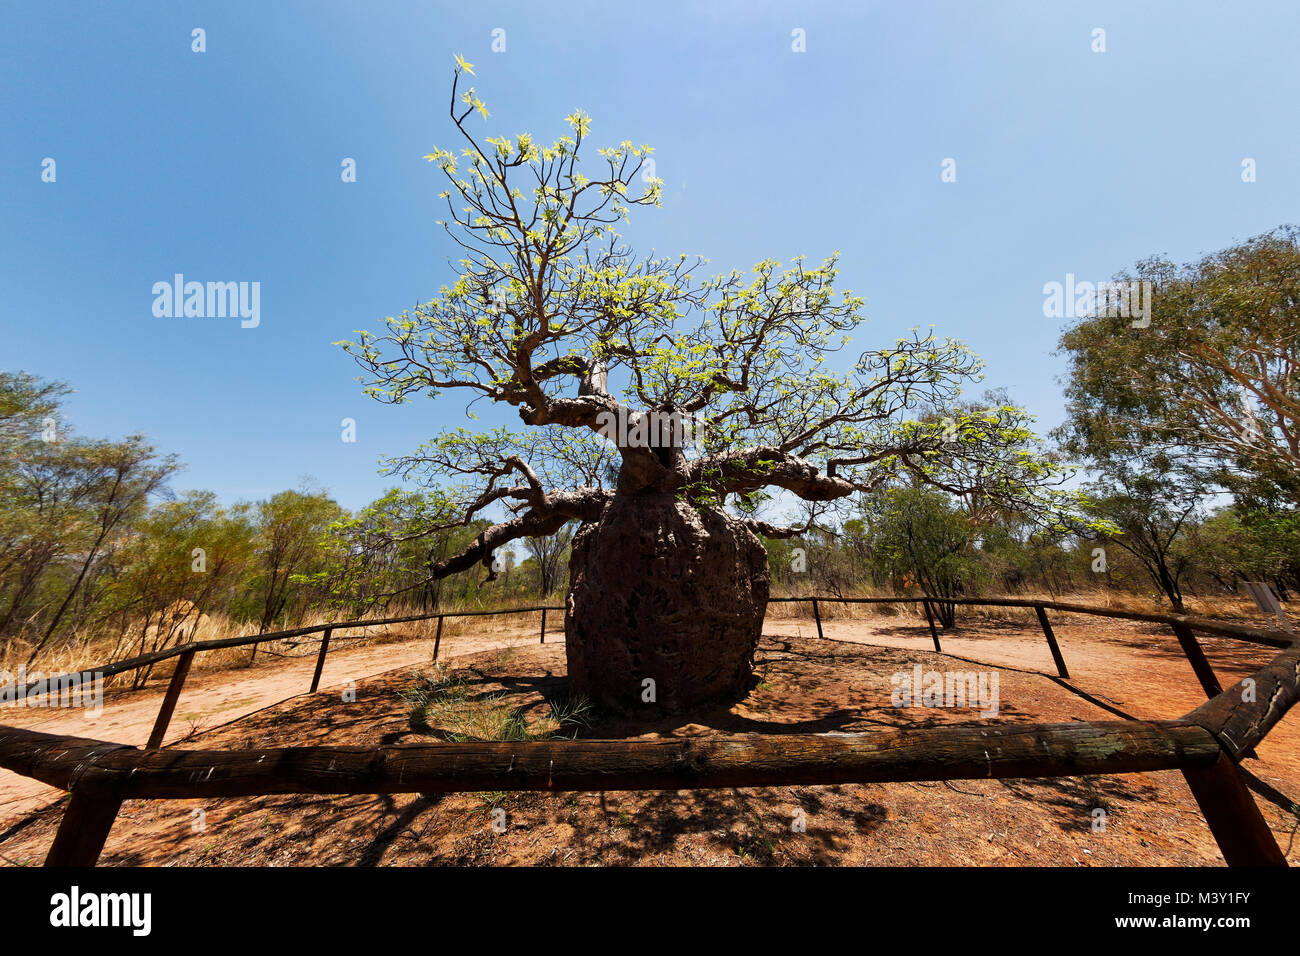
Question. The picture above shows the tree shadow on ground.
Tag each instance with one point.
(1070, 802)
(805, 685)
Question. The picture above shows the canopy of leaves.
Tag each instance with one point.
(641, 375)
(1212, 386)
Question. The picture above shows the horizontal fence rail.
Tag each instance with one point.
(1205, 745)
(935, 753)
(1272, 637)
(1254, 635)
(176, 650)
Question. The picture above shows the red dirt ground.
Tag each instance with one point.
(213, 698)
(808, 686)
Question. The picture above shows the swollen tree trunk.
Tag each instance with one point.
(665, 606)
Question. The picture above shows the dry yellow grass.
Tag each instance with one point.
(98, 651)
(1220, 607)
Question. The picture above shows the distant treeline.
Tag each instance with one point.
(913, 540)
(94, 548)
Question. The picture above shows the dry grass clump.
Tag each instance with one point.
(445, 705)
(832, 610)
(1234, 608)
(98, 650)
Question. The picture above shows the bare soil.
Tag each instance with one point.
(808, 685)
(213, 698)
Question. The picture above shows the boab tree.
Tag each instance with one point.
(658, 406)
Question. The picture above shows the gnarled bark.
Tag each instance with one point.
(665, 592)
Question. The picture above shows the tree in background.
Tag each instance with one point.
(1243, 543)
(119, 478)
(185, 559)
(95, 551)
(29, 534)
(1146, 514)
(1204, 398)
(291, 527)
(66, 501)
(382, 556)
(547, 553)
(1214, 381)
(922, 537)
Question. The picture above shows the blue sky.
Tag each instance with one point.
(225, 165)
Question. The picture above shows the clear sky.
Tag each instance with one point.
(225, 166)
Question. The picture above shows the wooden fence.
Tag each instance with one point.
(1206, 745)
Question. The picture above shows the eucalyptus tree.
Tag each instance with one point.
(702, 394)
(291, 527)
(1211, 383)
(922, 535)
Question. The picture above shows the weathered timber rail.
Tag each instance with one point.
(964, 753)
(1205, 745)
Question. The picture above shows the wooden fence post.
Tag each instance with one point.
(1051, 642)
(169, 701)
(1196, 657)
(1200, 664)
(929, 617)
(1234, 818)
(818, 615)
(320, 659)
(84, 829)
(543, 641)
(437, 640)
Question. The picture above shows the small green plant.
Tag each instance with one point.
(489, 800)
(444, 703)
(433, 688)
(755, 851)
(571, 711)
